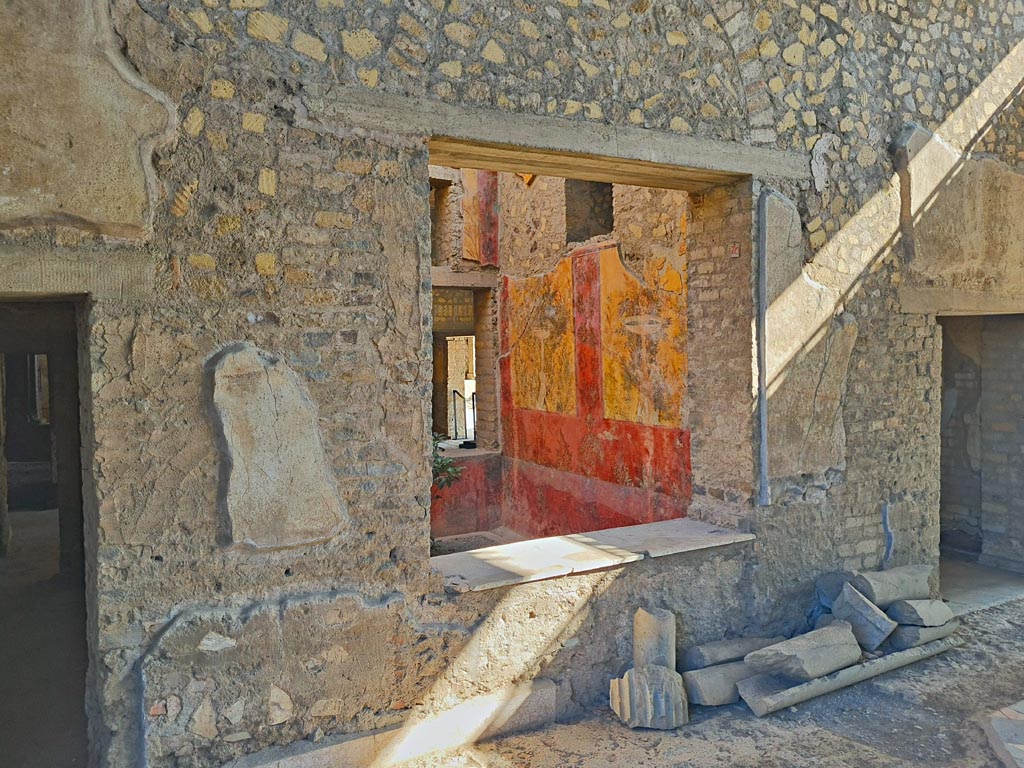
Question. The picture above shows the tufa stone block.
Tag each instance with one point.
(716, 686)
(870, 626)
(921, 613)
(811, 655)
(723, 651)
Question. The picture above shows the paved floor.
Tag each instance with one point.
(42, 651)
(967, 586)
(928, 715)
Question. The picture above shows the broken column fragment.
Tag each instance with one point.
(651, 694)
(650, 697)
(883, 588)
(723, 651)
(921, 613)
(909, 636)
(870, 626)
(654, 638)
(716, 686)
(814, 654)
(829, 585)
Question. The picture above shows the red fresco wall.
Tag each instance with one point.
(473, 503)
(571, 473)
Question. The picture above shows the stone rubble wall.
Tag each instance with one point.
(311, 241)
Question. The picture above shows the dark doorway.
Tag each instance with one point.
(42, 585)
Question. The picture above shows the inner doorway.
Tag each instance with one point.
(981, 508)
(42, 582)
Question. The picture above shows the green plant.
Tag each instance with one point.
(446, 471)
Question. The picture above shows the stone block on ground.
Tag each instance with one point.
(1005, 731)
(724, 651)
(883, 588)
(870, 626)
(650, 697)
(910, 636)
(825, 620)
(807, 656)
(922, 613)
(828, 586)
(716, 686)
(765, 694)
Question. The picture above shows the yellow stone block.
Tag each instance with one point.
(266, 26)
(369, 77)
(594, 111)
(818, 239)
(246, 5)
(194, 122)
(333, 220)
(493, 52)
(201, 20)
(588, 68)
(254, 122)
(572, 107)
(710, 111)
(621, 21)
(266, 264)
(203, 261)
(794, 55)
(460, 33)
(680, 125)
(829, 11)
(810, 118)
(776, 84)
(296, 276)
(227, 224)
(218, 140)
(529, 29)
(677, 38)
(769, 49)
(636, 116)
(222, 89)
(763, 22)
(267, 182)
(788, 122)
(452, 69)
(359, 43)
(309, 45)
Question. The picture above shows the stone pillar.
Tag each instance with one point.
(654, 638)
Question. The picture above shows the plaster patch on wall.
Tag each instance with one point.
(80, 155)
(276, 488)
(805, 414)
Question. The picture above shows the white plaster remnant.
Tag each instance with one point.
(277, 489)
(214, 642)
(279, 706)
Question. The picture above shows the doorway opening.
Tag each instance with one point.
(981, 508)
(42, 582)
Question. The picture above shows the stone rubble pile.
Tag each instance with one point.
(868, 624)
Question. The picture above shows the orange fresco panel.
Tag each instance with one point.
(643, 341)
(542, 341)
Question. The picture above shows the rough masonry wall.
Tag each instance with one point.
(310, 239)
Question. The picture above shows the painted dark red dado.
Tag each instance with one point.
(471, 504)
